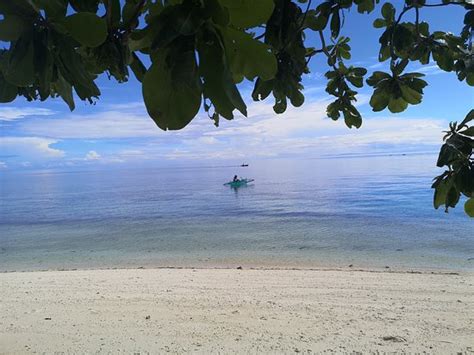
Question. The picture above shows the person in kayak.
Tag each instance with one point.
(236, 179)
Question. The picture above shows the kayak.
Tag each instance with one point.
(241, 182)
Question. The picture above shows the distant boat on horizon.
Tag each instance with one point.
(244, 165)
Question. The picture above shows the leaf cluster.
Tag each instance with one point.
(457, 155)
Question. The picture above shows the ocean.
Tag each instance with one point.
(368, 212)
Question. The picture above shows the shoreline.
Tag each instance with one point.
(183, 310)
(388, 270)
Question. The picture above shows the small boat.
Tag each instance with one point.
(238, 183)
(244, 165)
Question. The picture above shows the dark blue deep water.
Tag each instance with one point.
(369, 212)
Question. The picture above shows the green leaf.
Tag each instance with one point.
(376, 77)
(130, 11)
(379, 23)
(409, 95)
(71, 66)
(52, 8)
(357, 81)
(297, 99)
(219, 85)
(441, 191)
(447, 155)
(262, 89)
(396, 105)
(219, 14)
(248, 56)
(8, 91)
(379, 100)
(470, 79)
(21, 70)
(172, 95)
(452, 197)
(248, 13)
(469, 117)
(43, 65)
(465, 180)
(87, 28)
(469, 207)
(64, 89)
(137, 67)
(85, 5)
(11, 28)
(388, 12)
(113, 14)
(335, 24)
(316, 22)
(365, 6)
(22, 8)
(352, 120)
(468, 132)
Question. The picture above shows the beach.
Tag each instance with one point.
(236, 311)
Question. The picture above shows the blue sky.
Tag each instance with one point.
(117, 131)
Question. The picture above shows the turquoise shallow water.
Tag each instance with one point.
(369, 212)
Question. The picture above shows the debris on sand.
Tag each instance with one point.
(395, 339)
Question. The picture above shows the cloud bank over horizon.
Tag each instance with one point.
(123, 133)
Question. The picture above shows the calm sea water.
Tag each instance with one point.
(369, 212)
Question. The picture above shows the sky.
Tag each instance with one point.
(117, 132)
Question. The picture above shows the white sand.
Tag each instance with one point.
(228, 311)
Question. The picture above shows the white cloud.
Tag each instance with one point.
(31, 148)
(378, 65)
(111, 124)
(430, 70)
(304, 131)
(15, 113)
(92, 155)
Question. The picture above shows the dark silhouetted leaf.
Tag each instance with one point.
(87, 28)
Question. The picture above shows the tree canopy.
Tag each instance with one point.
(192, 54)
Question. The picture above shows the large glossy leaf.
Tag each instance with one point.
(469, 207)
(335, 24)
(21, 71)
(388, 11)
(447, 155)
(87, 28)
(64, 89)
(468, 132)
(248, 13)
(469, 117)
(248, 56)
(441, 191)
(137, 67)
(379, 100)
(11, 28)
(396, 105)
(219, 85)
(52, 8)
(365, 5)
(8, 91)
(409, 95)
(72, 68)
(85, 5)
(130, 11)
(172, 95)
(113, 13)
(21, 8)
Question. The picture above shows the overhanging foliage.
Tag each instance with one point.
(197, 51)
